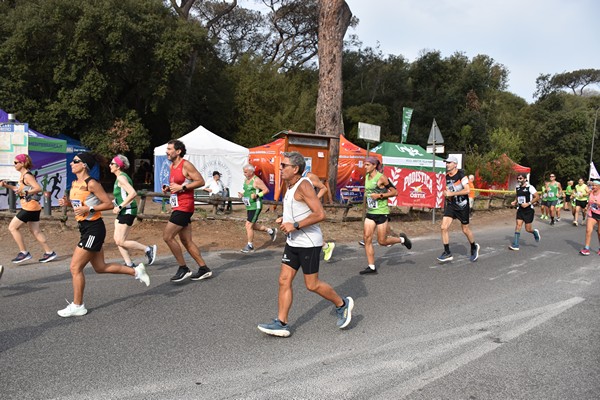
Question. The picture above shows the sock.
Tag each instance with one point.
(148, 249)
(447, 248)
(325, 246)
(250, 244)
(270, 231)
(517, 236)
(473, 247)
(343, 304)
(586, 247)
(372, 266)
(130, 265)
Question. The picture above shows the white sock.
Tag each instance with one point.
(270, 231)
(148, 248)
(372, 266)
(250, 244)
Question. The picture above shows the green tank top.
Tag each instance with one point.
(249, 202)
(375, 206)
(581, 192)
(568, 190)
(120, 195)
(552, 192)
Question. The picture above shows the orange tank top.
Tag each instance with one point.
(80, 195)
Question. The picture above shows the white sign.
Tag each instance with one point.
(368, 132)
(438, 149)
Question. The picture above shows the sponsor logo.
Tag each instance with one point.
(416, 182)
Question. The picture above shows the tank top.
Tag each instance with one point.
(80, 195)
(249, 202)
(552, 192)
(181, 201)
(31, 202)
(375, 206)
(594, 204)
(456, 183)
(581, 192)
(569, 190)
(525, 194)
(120, 196)
(296, 211)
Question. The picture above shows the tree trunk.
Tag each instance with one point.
(334, 19)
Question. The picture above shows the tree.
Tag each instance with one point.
(334, 19)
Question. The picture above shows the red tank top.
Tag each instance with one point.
(181, 201)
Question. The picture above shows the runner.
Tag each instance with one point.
(593, 213)
(28, 190)
(125, 207)
(321, 190)
(254, 190)
(302, 212)
(183, 179)
(378, 189)
(582, 192)
(544, 203)
(456, 207)
(554, 192)
(568, 193)
(88, 199)
(526, 196)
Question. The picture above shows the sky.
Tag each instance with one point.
(528, 37)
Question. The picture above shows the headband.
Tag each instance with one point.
(88, 159)
(119, 162)
(21, 158)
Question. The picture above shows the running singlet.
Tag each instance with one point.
(525, 194)
(296, 211)
(80, 195)
(375, 206)
(181, 201)
(581, 192)
(31, 202)
(120, 195)
(569, 190)
(594, 204)
(249, 202)
(457, 183)
(552, 192)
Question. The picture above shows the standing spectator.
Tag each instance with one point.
(28, 190)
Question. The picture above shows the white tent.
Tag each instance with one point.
(208, 152)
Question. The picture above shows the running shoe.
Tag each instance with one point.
(475, 253)
(327, 253)
(273, 235)
(445, 257)
(557, 219)
(575, 223)
(369, 271)
(275, 328)
(536, 235)
(1, 270)
(248, 249)
(141, 275)
(151, 254)
(203, 273)
(182, 273)
(21, 257)
(362, 243)
(72, 310)
(551, 222)
(584, 252)
(514, 247)
(47, 257)
(407, 243)
(344, 313)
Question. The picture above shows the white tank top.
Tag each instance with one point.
(296, 211)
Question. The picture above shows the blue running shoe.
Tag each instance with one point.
(21, 257)
(536, 235)
(344, 313)
(445, 257)
(475, 253)
(275, 328)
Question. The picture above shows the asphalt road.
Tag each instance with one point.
(513, 325)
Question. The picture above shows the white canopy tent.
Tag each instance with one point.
(208, 152)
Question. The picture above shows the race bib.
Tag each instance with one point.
(76, 203)
(521, 199)
(173, 200)
(246, 201)
(371, 202)
(595, 207)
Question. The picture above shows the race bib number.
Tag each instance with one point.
(595, 207)
(173, 200)
(76, 203)
(371, 202)
(521, 200)
(246, 201)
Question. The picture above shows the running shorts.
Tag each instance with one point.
(181, 218)
(92, 235)
(29, 216)
(126, 219)
(305, 257)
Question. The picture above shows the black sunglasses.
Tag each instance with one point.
(16, 162)
(282, 165)
(76, 161)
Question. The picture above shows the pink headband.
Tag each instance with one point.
(118, 161)
(21, 158)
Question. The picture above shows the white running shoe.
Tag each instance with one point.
(141, 275)
(72, 310)
(1, 270)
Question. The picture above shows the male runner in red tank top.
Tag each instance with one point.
(183, 180)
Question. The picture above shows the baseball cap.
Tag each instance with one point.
(452, 159)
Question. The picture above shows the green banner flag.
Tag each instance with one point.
(406, 116)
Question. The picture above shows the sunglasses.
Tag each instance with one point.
(282, 165)
(76, 161)
(16, 162)
(112, 163)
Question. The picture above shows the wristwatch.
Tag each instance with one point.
(297, 225)
(91, 209)
(120, 207)
(184, 188)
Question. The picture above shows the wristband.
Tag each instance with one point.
(261, 194)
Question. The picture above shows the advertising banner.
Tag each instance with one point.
(416, 188)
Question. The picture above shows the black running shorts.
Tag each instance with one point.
(92, 235)
(29, 216)
(378, 218)
(461, 214)
(126, 219)
(252, 215)
(181, 218)
(526, 214)
(305, 257)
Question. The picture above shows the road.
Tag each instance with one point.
(513, 325)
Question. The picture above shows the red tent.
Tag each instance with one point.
(511, 179)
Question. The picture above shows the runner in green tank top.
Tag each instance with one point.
(568, 195)
(378, 189)
(554, 192)
(254, 190)
(125, 207)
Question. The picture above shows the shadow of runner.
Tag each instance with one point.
(31, 286)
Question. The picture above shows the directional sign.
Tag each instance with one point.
(435, 135)
(438, 149)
